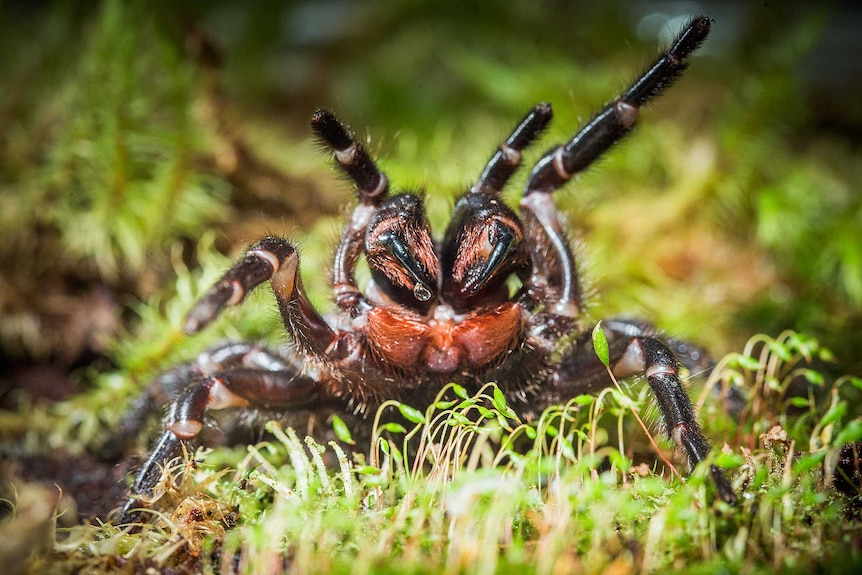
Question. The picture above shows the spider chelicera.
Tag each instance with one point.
(434, 312)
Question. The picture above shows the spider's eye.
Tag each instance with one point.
(400, 252)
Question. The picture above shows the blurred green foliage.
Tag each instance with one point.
(97, 169)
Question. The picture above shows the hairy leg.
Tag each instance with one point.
(185, 419)
(632, 352)
(554, 279)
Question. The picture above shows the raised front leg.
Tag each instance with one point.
(554, 279)
(507, 158)
(372, 187)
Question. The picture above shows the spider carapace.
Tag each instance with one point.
(436, 311)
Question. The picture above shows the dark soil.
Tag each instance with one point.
(97, 487)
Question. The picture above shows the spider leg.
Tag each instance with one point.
(481, 219)
(581, 371)
(274, 259)
(554, 271)
(244, 387)
(696, 360)
(167, 387)
(372, 187)
(507, 158)
(260, 263)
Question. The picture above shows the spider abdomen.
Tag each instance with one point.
(443, 343)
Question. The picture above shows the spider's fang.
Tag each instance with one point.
(496, 259)
(399, 250)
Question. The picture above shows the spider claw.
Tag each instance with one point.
(722, 486)
(130, 515)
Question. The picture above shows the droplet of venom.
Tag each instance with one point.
(421, 292)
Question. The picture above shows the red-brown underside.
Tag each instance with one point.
(411, 341)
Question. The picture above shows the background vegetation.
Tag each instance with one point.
(141, 148)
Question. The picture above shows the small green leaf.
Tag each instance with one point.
(393, 427)
(809, 461)
(799, 402)
(342, 432)
(566, 447)
(499, 399)
(600, 344)
(456, 418)
(851, 433)
(738, 360)
(530, 432)
(394, 452)
(779, 350)
(411, 414)
(486, 413)
(826, 354)
(584, 399)
(813, 377)
(729, 460)
(619, 460)
(459, 391)
(833, 414)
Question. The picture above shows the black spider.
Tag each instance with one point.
(434, 311)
